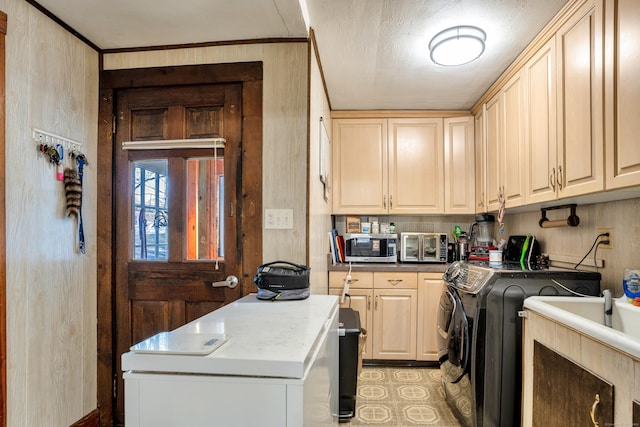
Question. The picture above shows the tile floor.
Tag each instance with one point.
(401, 396)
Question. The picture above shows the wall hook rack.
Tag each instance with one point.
(572, 220)
(48, 138)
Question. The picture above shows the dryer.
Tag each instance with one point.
(480, 334)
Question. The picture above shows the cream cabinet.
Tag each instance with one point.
(359, 166)
(541, 129)
(481, 161)
(429, 290)
(388, 166)
(388, 307)
(459, 165)
(579, 43)
(623, 92)
(403, 165)
(394, 316)
(505, 152)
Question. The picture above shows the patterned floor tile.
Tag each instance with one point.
(401, 397)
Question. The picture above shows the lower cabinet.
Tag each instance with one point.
(397, 310)
(429, 290)
(566, 394)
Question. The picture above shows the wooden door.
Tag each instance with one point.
(175, 220)
(416, 166)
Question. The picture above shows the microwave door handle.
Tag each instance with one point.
(420, 247)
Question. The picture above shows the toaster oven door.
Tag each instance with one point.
(410, 248)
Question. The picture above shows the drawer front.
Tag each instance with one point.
(391, 280)
(359, 279)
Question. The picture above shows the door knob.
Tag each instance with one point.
(230, 282)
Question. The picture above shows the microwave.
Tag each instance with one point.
(423, 247)
(370, 247)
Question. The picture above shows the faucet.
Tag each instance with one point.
(608, 310)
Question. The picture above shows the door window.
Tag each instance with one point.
(204, 201)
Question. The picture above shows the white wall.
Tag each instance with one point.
(319, 208)
(52, 84)
(285, 100)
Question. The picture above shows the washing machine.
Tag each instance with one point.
(480, 334)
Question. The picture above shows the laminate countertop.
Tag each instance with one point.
(391, 267)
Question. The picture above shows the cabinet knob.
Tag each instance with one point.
(394, 282)
(552, 179)
(376, 307)
(384, 201)
(391, 202)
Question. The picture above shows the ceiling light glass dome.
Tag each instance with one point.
(457, 45)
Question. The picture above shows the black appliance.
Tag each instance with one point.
(480, 335)
(348, 344)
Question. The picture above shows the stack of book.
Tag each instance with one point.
(336, 245)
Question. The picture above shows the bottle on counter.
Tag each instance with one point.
(392, 228)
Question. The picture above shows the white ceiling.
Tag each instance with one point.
(373, 52)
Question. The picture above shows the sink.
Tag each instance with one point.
(586, 315)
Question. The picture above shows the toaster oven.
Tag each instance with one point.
(423, 247)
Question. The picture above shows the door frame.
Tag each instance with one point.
(249, 196)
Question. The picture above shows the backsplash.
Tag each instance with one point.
(567, 242)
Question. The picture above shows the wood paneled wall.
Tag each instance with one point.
(52, 84)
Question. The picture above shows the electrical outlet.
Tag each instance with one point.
(610, 238)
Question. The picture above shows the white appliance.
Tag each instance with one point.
(277, 368)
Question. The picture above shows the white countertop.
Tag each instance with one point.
(264, 338)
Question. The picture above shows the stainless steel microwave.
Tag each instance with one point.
(370, 247)
(423, 247)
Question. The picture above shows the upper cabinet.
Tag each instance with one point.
(541, 132)
(459, 165)
(579, 44)
(397, 165)
(481, 161)
(545, 123)
(359, 166)
(416, 168)
(505, 151)
(622, 56)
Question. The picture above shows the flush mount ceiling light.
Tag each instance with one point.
(457, 45)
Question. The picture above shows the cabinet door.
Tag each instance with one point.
(394, 324)
(580, 116)
(494, 162)
(541, 141)
(623, 108)
(459, 166)
(416, 173)
(513, 171)
(564, 393)
(429, 290)
(361, 301)
(481, 161)
(359, 166)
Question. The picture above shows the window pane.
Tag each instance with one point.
(205, 201)
(150, 215)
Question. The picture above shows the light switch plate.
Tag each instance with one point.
(278, 219)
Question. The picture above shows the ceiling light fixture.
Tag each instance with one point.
(457, 45)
